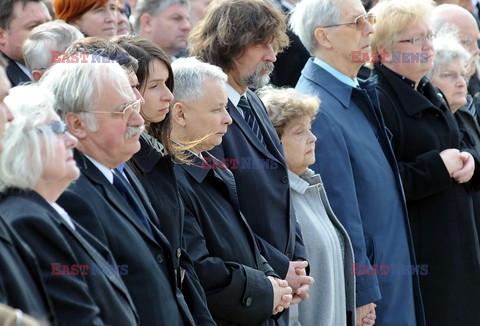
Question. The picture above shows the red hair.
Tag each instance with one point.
(71, 10)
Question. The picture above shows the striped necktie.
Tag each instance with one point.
(250, 118)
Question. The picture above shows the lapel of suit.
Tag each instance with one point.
(90, 171)
(15, 74)
(247, 131)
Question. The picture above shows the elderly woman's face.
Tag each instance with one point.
(100, 22)
(59, 167)
(299, 144)
(451, 79)
(413, 55)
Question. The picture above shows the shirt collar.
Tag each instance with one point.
(335, 73)
(105, 170)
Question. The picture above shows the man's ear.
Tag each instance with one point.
(3, 37)
(178, 114)
(322, 37)
(76, 125)
(146, 24)
(37, 74)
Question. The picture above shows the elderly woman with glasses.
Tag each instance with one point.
(437, 173)
(36, 165)
(328, 245)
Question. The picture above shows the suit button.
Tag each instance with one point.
(284, 179)
(289, 256)
(179, 252)
(160, 258)
(248, 301)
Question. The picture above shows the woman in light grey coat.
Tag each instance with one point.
(329, 250)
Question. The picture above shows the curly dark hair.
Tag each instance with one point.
(229, 26)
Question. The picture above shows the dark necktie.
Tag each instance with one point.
(250, 118)
(119, 183)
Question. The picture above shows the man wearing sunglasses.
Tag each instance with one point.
(355, 159)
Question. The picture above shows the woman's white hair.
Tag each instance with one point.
(447, 49)
(308, 15)
(21, 161)
(189, 76)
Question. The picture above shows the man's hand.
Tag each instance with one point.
(365, 315)
(466, 172)
(282, 295)
(298, 280)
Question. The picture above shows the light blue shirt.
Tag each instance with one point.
(335, 73)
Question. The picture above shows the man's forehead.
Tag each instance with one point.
(31, 11)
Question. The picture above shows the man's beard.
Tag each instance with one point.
(257, 79)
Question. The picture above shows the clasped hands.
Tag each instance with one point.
(293, 289)
(460, 165)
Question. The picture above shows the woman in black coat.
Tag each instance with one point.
(436, 172)
(153, 164)
(81, 278)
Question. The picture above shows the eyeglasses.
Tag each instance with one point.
(135, 106)
(452, 76)
(58, 127)
(359, 22)
(419, 40)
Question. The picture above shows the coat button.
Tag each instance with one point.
(289, 256)
(285, 179)
(248, 301)
(160, 258)
(179, 252)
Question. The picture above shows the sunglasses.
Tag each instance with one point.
(359, 22)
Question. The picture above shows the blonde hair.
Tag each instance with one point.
(393, 17)
(286, 104)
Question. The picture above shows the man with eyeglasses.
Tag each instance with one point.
(355, 159)
(104, 116)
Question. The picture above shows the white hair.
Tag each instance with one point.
(77, 86)
(21, 161)
(447, 49)
(44, 40)
(311, 14)
(189, 75)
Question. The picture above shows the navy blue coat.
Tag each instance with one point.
(151, 278)
(355, 160)
(223, 247)
(93, 299)
(440, 209)
(21, 286)
(262, 184)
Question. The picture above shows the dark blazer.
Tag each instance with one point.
(93, 299)
(151, 276)
(263, 191)
(440, 209)
(356, 162)
(15, 74)
(154, 169)
(290, 61)
(21, 286)
(222, 246)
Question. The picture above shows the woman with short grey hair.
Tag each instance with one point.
(36, 166)
(329, 250)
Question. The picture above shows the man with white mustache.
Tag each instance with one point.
(104, 116)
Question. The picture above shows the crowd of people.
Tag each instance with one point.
(160, 166)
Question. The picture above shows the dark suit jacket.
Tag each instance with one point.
(151, 276)
(21, 286)
(81, 299)
(361, 177)
(15, 74)
(291, 61)
(262, 184)
(154, 169)
(224, 250)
